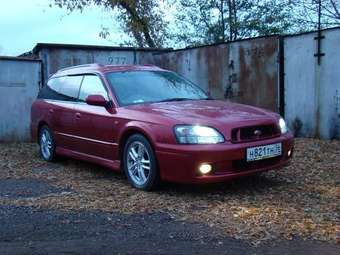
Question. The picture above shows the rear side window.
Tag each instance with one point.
(54, 84)
(69, 87)
(64, 88)
(92, 85)
(51, 90)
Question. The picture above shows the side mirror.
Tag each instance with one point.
(97, 100)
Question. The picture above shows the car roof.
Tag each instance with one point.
(98, 68)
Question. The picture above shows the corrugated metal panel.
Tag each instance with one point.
(243, 71)
(257, 72)
(55, 59)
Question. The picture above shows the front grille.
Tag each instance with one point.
(254, 133)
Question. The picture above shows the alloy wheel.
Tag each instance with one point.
(46, 144)
(138, 163)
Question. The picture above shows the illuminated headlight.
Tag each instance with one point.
(283, 126)
(195, 134)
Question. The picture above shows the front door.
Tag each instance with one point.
(95, 124)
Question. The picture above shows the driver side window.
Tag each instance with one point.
(92, 85)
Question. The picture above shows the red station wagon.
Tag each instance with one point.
(154, 125)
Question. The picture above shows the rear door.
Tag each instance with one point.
(62, 95)
(95, 124)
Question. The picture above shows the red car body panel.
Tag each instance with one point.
(97, 134)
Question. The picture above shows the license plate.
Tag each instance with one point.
(263, 152)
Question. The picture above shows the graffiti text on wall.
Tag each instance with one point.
(117, 60)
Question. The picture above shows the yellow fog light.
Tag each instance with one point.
(205, 168)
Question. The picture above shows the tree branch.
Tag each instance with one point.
(144, 25)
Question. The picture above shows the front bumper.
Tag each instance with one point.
(179, 163)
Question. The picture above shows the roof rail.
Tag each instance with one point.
(80, 66)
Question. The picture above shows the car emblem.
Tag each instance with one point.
(258, 132)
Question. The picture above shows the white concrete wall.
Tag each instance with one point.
(19, 86)
(312, 91)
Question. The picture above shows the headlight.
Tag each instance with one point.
(197, 135)
(283, 126)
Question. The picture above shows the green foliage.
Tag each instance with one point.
(220, 20)
(141, 19)
(197, 22)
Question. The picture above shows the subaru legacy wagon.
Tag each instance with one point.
(154, 125)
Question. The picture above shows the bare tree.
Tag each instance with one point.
(307, 12)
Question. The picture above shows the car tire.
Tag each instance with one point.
(47, 144)
(140, 164)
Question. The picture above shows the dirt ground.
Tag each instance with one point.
(76, 207)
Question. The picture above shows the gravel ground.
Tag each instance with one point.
(39, 231)
(293, 207)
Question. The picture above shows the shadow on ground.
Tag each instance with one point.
(25, 230)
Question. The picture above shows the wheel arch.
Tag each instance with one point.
(40, 125)
(128, 133)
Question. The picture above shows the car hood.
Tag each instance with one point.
(219, 114)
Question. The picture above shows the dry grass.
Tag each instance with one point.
(299, 200)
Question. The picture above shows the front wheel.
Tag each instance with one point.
(140, 164)
(47, 144)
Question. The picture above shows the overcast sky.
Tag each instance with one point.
(23, 23)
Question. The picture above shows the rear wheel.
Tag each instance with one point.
(140, 164)
(47, 144)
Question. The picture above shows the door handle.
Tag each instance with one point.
(78, 115)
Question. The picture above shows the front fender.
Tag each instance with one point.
(155, 133)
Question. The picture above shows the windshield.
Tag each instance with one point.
(138, 87)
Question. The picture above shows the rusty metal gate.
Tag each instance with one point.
(58, 56)
(245, 71)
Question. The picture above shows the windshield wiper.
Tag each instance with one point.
(175, 99)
